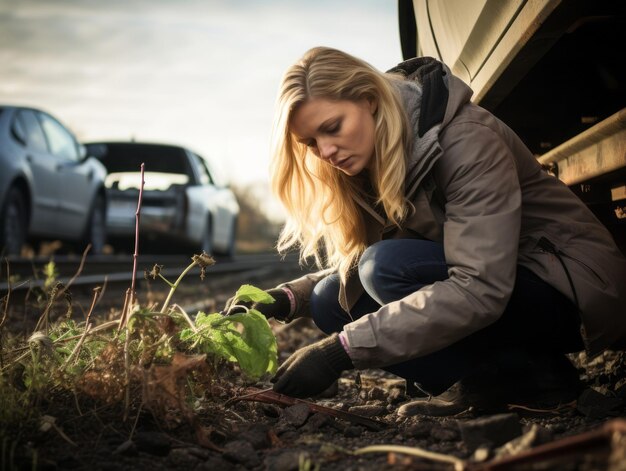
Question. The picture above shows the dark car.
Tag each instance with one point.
(182, 206)
(49, 187)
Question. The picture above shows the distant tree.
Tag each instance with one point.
(257, 228)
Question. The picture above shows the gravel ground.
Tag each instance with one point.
(250, 435)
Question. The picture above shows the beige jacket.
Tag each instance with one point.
(478, 190)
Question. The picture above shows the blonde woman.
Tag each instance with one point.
(450, 257)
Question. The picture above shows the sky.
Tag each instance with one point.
(199, 73)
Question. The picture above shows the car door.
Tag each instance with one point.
(42, 165)
(74, 177)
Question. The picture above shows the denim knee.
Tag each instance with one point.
(374, 268)
(393, 268)
(324, 305)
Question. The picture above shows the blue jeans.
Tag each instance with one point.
(537, 318)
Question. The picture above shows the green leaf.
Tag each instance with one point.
(261, 353)
(245, 338)
(253, 294)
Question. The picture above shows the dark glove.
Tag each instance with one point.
(279, 309)
(312, 369)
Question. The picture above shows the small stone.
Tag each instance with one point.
(297, 414)
(316, 422)
(595, 405)
(377, 394)
(353, 431)
(368, 410)
(257, 436)
(271, 411)
(481, 454)
(395, 396)
(242, 452)
(491, 431)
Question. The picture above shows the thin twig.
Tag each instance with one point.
(564, 448)
(48, 422)
(5, 309)
(132, 431)
(125, 308)
(136, 253)
(5, 312)
(44, 319)
(77, 348)
(93, 331)
(127, 372)
(555, 410)
(272, 397)
(459, 464)
(95, 298)
(78, 271)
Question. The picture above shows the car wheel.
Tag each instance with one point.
(96, 234)
(206, 245)
(13, 222)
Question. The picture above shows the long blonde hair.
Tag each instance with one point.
(324, 219)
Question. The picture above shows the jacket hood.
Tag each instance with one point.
(432, 97)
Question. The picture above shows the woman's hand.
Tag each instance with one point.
(311, 370)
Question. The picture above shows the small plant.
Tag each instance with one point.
(50, 274)
(156, 359)
(245, 338)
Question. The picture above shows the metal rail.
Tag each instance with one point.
(596, 151)
(26, 274)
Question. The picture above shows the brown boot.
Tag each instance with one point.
(544, 382)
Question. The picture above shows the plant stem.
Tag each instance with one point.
(137, 218)
(175, 285)
(169, 283)
(186, 317)
(129, 301)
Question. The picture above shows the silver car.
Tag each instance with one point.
(181, 204)
(49, 187)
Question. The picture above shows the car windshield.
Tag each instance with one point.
(157, 158)
(164, 166)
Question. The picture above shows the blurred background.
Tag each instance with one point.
(197, 73)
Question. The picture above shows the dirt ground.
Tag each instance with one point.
(250, 435)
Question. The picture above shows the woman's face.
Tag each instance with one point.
(340, 133)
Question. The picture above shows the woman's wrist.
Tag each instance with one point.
(343, 338)
(292, 303)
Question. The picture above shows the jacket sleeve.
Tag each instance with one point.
(477, 175)
(302, 288)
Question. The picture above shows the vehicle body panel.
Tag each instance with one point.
(180, 199)
(59, 188)
(552, 71)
